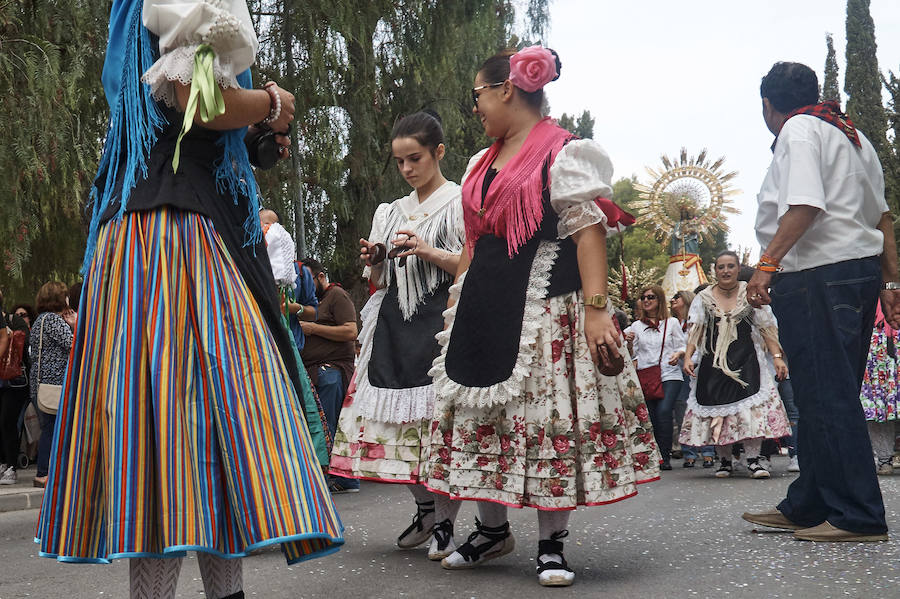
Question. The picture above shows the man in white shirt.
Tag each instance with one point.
(825, 228)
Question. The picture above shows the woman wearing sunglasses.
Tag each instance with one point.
(654, 339)
(523, 416)
(380, 434)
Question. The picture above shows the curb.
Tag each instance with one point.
(24, 500)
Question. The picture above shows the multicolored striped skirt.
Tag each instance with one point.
(178, 427)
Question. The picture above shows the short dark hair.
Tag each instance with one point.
(496, 70)
(52, 297)
(29, 310)
(790, 85)
(314, 266)
(423, 126)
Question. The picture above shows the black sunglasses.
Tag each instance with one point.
(648, 297)
(475, 91)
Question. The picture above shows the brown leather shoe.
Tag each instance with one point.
(827, 533)
(771, 518)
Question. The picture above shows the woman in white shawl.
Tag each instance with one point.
(734, 394)
(385, 420)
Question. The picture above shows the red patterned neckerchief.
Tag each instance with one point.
(830, 112)
(649, 323)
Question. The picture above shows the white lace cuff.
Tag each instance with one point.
(579, 216)
(182, 26)
(178, 65)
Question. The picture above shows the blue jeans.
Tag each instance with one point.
(825, 317)
(689, 451)
(330, 387)
(787, 398)
(661, 417)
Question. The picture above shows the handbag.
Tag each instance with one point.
(651, 377)
(48, 395)
(11, 363)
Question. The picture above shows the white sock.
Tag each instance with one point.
(421, 494)
(724, 452)
(153, 578)
(752, 448)
(445, 508)
(221, 577)
(551, 522)
(882, 437)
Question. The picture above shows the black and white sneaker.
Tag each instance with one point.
(420, 530)
(756, 469)
(725, 469)
(552, 569)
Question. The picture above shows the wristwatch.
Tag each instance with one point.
(597, 300)
(890, 286)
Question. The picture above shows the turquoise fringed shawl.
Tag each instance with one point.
(135, 120)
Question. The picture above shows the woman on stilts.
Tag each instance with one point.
(383, 426)
(180, 425)
(523, 416)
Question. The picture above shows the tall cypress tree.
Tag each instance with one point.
(831, 90)
(862, 83)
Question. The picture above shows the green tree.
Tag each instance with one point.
(862, 84)
(356, 68)
(53, 118)
(831, 89)
(583, 127)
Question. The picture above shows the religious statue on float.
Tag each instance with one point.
(687, 203)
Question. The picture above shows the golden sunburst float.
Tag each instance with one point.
(687, 203)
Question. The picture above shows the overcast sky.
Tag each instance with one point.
(661, 74)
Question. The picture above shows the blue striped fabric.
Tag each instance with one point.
(179, 428)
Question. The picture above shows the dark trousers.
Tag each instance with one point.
(661, 417)
(330, 388)
(825, 317)
(12, 400)
(45, 445)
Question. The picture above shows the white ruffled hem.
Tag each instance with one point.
(504, 391)
(767, 387)
(178, 65)
(395, 406)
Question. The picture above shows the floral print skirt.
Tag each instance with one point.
(378, 451)
(766, 420)
(572, 437)
(879, 387)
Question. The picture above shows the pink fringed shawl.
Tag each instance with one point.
(513, 207)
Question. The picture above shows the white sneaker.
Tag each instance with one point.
(794, 466)
(9, 477)
(3, 468)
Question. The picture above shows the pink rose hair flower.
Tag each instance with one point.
(531, 68)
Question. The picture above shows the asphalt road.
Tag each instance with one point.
(680, 537)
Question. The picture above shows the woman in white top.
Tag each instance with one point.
(654, 338)
(382, 428)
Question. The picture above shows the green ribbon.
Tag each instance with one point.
(205, 96)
